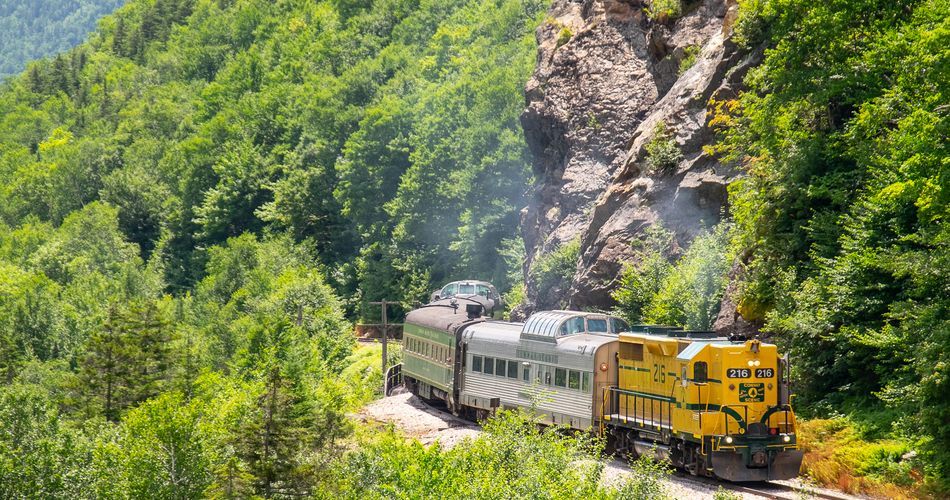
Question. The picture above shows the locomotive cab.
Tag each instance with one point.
(752, 435)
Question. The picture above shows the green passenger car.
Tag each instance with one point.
(431, 346)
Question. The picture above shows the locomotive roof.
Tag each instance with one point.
(442, 315)
(695, 348)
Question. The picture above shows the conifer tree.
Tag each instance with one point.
(105, 370)
(150, 334)
(119, 37)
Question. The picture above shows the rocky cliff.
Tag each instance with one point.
(609, 78)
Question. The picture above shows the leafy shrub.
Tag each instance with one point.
(838, 456)
(643, 277)
(564, 36)
(750, 26)
(686, 293)
(514, 298)
(512, 458)
(665, 10)
(724, 494)
(663, 153)
(552, 273)
(689, 58)
(645, 479)
(692, 292)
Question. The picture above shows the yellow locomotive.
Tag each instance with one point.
(713, 406)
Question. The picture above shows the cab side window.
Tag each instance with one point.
(700, 372)
(450, 290)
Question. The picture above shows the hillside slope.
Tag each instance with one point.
(34, 29)
(385, 134)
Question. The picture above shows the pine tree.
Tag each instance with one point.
(119, 37)
(271, 438)
(11, 355)
(35, 78)
(150, 335)
(104, 372)
(60, 75)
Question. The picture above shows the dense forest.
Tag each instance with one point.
(197, 201)
(187, 196)
(839, 231)
(34, 29)
(844, 215)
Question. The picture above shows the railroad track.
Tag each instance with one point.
(765, 489)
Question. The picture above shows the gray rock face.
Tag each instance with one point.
(593, 105)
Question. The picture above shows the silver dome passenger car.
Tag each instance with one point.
(557, 363)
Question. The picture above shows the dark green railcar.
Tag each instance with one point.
(431, 357)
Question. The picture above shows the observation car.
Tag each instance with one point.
(557, 364)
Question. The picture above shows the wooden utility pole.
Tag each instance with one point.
(385, 338)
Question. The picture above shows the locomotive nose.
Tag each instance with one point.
(760, 459)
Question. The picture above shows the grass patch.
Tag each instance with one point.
(837, 456)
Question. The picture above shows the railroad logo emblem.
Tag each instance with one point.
(752, 392)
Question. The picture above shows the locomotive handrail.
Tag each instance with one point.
(639, 414)
(741, 421)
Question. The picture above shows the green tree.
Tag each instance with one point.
(643, 278)
(105, 369)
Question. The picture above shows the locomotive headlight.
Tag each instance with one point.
(751, 363)
(728, 440)
(756, 363)
(786, 438)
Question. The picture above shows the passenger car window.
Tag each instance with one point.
(512, 369)
(560, 377)
(597, 325)
(477, 364)
(618, 325)
(500, 367)
(547, 374)
(466, 289)
(574, 379)
(450, 290)
(572, 326)
(526, 373)
(585, 382)
(489, 366)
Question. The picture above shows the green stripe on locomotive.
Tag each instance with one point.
(435, 372)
